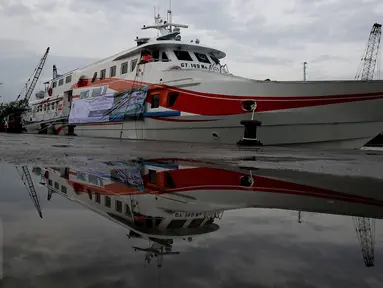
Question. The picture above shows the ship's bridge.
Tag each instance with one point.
(168, 47)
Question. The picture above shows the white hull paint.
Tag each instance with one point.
(315, 127)
(59, 128)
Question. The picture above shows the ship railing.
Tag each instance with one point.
(223, 69)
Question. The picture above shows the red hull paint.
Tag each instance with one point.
(208, 104)
(197, 179)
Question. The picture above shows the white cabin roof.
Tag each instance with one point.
(178, 45)
(169, 38)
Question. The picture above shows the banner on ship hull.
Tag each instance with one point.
(106, 108)
(128, 173)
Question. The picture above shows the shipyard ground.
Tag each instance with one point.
(80, 151)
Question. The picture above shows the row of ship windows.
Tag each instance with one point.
(181, 55)
(57, 186)
(68, 79)
(45, 107)
(148, 221)
(113, 70)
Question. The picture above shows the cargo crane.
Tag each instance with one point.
(365, 227)
(371, 55)
(36, 75)
(12, 114)
(28, 182)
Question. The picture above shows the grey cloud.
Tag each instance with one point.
(335, 21)
(244, 33)
(326, 57)
(16, 9)
(17, 69)
(264, 60)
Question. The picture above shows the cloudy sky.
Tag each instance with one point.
(262, 38)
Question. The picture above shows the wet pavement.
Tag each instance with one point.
(87, 212)
(81, 151)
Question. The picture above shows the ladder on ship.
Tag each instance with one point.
(28, 182)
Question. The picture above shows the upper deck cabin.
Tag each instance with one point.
(55, 87)
(167, 50)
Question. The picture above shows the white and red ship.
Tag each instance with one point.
(190, 96)
(166, 201)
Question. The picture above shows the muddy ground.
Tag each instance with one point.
(80, 151)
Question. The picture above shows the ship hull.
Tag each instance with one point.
(327, 127)
(51, 127)
(315, 114)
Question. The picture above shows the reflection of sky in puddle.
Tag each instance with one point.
(74, 247)
(1, 249)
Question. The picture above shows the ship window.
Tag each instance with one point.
(54, 84)
(118, 206)
(202, 57)
(57, 185)
(127, 210)
(61, 82)
(155, 101)
(89, 193)
(53, 106)
(84, 94)
(164, 57)
(195, 223)
(68, 79)
(98, 197)
(149, 222)
(169, 182)
(133, 64)
(183, 55)
(94, 77)
(107, 201)
(96, 92)
(215, 59)
(103, 74)
(176, 224)
(172, 98)
(124, 68)
(63, 189)
(158, 221)
(50, 182)
(152, 176)
(112, 71)
(208, 222)
(156, 55)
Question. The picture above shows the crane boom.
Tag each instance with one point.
(36, 75)
(365, 227)
(368, 62)
(28, 182)
(365, 230)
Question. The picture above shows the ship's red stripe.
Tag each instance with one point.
(99, 124)
(334, 196)
(194, 179)
(182, 120)
(218, 104)
(60, 129)
(217, 107)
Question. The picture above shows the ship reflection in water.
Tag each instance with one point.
(162, 202)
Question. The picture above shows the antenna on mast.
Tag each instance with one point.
(155, 18)
(304, 71)
(170, 15)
